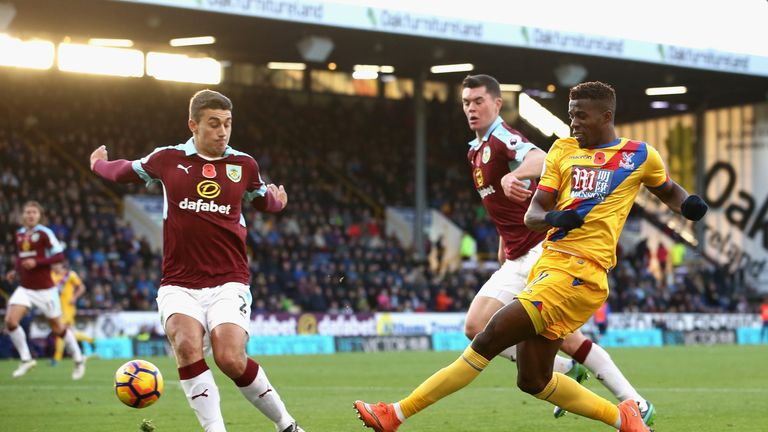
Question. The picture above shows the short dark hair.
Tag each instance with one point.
(595, 90)
(207, 99)
(482, 80)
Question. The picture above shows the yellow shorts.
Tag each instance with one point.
(563, 292)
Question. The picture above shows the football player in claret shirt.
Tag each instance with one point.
(38, 248)
(205, 287)
(585, 193)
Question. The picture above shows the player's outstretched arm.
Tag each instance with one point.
(273, 201)
(677, 199)
(120, 170)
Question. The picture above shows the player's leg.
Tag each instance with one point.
(500, 290)
(507, 327)
(50, 303)
(597, 360)
(183, 320)
(535, 378)
(228, 315)
(62, 331)
(19, 304)
(68, 316)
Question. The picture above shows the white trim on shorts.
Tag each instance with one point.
(46, 300)
(510, 279)
(227, 303)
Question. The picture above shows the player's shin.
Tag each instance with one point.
(602, 366)
(19, 339)
(255, 386)
(70, 342)
(202, 395)
(446, 381)
(572, 396)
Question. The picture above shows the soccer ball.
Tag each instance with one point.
(138, 383)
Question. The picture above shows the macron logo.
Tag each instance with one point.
(186, 169)
(202, 206)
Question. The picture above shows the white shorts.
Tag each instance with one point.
(46, 300)
(228, 303)
(507, 282)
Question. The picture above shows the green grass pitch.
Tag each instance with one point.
(715, 388)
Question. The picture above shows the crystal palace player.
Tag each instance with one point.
(587, 188)
(205, 283)
(37, 248)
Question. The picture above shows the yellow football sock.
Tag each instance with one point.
(80, 336)
(444, 382)
(59, 353)
(569, 395)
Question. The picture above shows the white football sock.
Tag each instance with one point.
(605, 370)
(19, 339)
(509, 353)
(264, 397)
(562, 364)
(70, 342)
(203, 396)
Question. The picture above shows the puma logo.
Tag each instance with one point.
(204, 394)
(265, 393)
(186, 169)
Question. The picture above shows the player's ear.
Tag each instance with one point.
(192, 125)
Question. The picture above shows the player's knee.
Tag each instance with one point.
(233, 365)
(471, 329)
(11, 326)
(187, 349)
(532, 385)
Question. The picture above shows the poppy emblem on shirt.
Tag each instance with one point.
(486, 154)
(478, 177)
(599, 158)
(209, 170)
(234, 172)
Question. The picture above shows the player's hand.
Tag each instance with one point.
(694, 208)
(29, 263)
(567, 219)
(99, 154)
(10, 276)
(514, 188)
(279, 193)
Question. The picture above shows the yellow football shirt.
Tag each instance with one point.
(601, 184)
(66, 283)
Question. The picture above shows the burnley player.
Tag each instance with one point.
(205, 284)
(38, 248)
(504, 169)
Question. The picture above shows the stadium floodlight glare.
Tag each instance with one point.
(386, 69)
(541, 118)
(182, 68)
(659, 104)
(511, 87)
(662, 91)
(286, 66)
(449, 68)
(33, 54)
(101, 60)
(118, 43)
(365, 74)
(189, 41)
